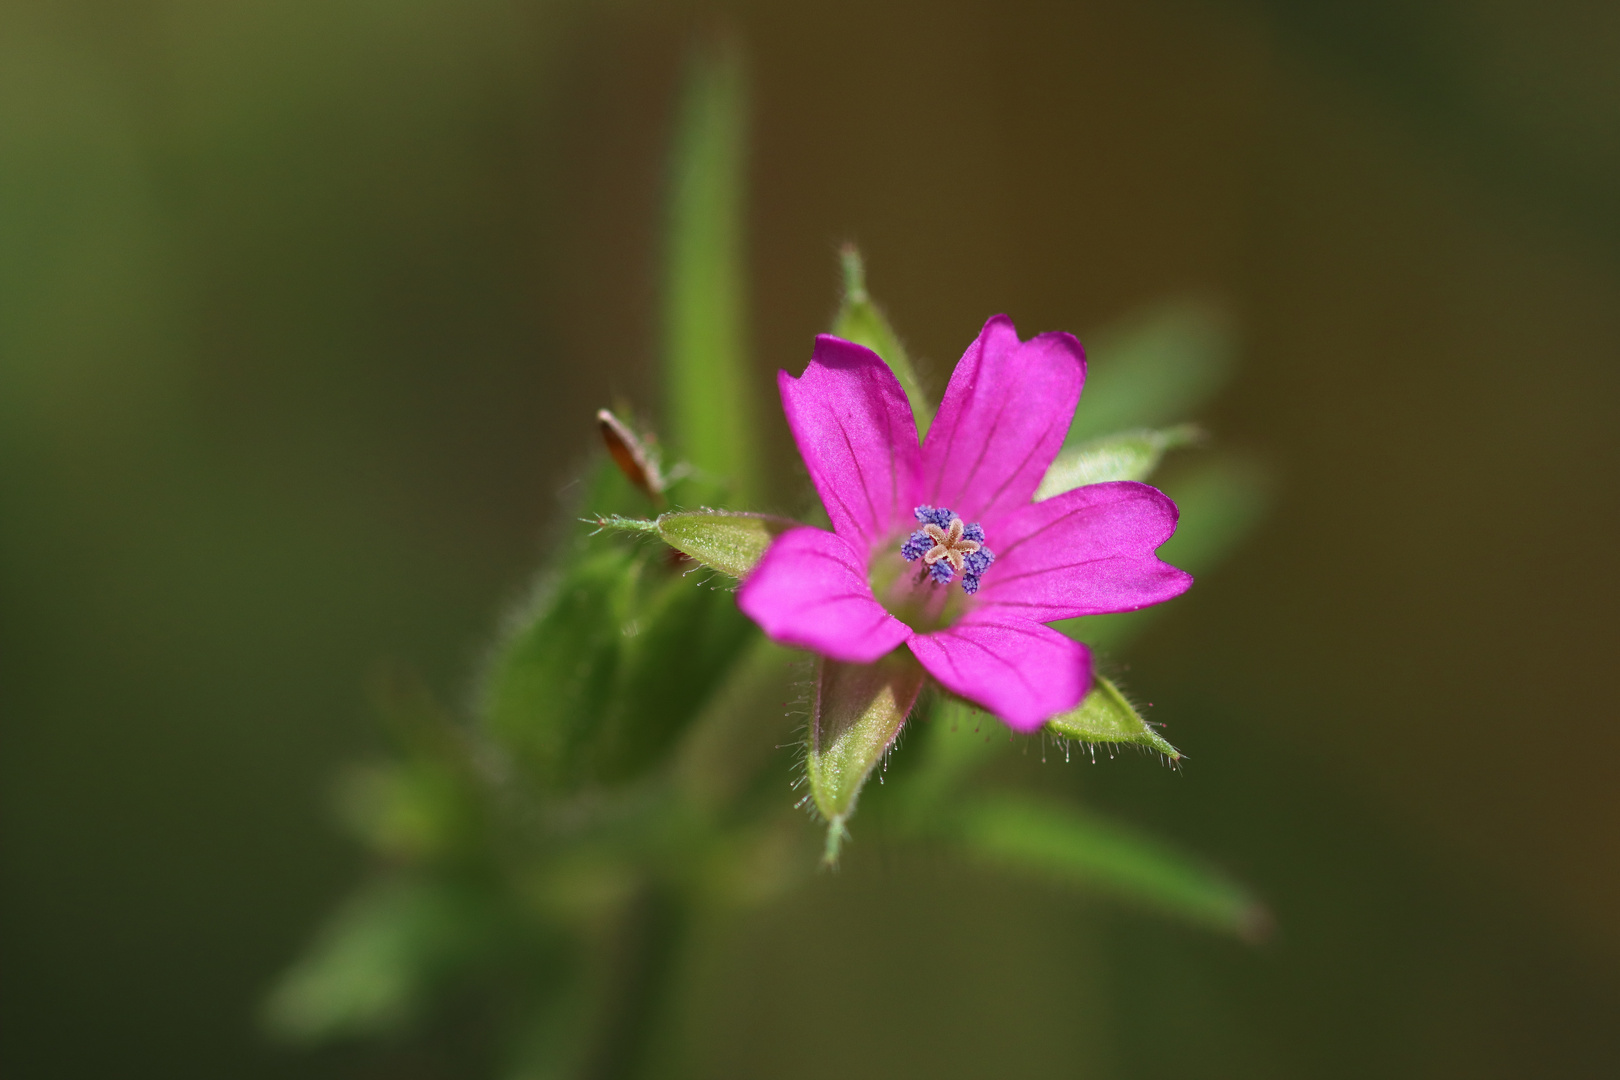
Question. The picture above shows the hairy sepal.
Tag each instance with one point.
(729, 541)
(856, 715)
(1105, 715)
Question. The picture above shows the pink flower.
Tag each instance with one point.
(907, 519)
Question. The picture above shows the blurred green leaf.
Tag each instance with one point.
(677, 649)
(411, 810)
(428, 804)
(728, 541)
(1079, 849)
(1127, 455)
(1154, 368)
(1105, 716)
(860, 320)
(733, 749)
(856, 716)
(550, 1040)
(619, 646)
(553, 677)
(611, 665)
(1221, 501)
(711, 409)
(380, 959)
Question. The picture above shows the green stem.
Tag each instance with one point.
(648, 948)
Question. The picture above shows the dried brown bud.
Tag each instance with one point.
(631, 456)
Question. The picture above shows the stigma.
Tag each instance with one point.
(948, 547)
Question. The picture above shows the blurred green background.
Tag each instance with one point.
(305, 309)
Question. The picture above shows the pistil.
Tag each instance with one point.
(948, 547)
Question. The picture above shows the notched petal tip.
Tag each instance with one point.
(831, 351)
(1003, 419)
(854, 429)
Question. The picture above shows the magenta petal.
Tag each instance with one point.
(810, 590)
(1086, 552)
(1023, 672)
(857, 436)
(1004, 417)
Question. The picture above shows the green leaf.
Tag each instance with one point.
(1155, 368)
(724, 540)
(711, 407)
(1128, 455)
(861, 321)
(383, 954)
(1082, 850)
(856, 716)
(1105, 716)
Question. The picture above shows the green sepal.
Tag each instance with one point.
(855, 716)
(1106, 716)
(1128, 455)
(860, 320)
(1094, 854)
(729, 541)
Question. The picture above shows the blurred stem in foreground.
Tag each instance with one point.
(711, 416)
(860, 320)
(650, 940)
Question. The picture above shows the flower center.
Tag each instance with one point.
(944, 547)
(947, 547)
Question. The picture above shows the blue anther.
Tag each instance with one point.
(942, 570)
(973, 568)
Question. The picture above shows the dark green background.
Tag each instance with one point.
(304, 311)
